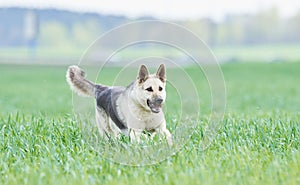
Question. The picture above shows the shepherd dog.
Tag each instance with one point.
(131, 110)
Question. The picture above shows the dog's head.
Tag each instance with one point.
(151, 88)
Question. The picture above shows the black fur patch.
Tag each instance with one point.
(106, 99)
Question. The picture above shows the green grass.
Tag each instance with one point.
(266, 53)
(242, 53)
(258, 141)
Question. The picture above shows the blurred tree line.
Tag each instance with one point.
(56, 28)
(265, 27)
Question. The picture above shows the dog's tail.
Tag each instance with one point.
(78, 83)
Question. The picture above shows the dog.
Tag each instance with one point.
(127, 110)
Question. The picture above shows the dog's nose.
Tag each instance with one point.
(159, 100)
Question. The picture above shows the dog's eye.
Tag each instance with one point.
(160, 88)
(149, 89)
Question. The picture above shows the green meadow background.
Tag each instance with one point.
(257, 143)
(258, 137)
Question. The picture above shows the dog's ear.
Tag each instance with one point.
(161, 73)
(143, 74)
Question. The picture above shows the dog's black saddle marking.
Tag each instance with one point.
(106, 98)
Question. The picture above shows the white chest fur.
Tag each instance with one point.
(136, 117)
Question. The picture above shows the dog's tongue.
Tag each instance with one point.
(155, 109)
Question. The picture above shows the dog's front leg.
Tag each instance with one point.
(135, 135)
(163, 131)
(168, 135)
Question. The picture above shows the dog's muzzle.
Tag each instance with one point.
(155, 104)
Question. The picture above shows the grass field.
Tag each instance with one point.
(258, 141)
(240, 53)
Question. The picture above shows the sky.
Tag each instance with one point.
(163, 9)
